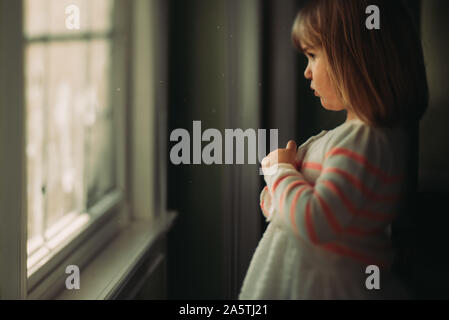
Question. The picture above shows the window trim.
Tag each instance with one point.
(102, 213)
(69, 37)
(119, 261)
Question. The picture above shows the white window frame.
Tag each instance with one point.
(110, 214)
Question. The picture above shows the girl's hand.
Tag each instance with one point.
(287, 155)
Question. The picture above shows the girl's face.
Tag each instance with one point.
(316, 71)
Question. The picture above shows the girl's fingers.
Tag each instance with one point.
(291, 146)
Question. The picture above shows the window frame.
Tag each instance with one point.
(110, 214)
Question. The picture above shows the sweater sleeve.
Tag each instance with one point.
(351, 186)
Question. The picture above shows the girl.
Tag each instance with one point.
(331, 201)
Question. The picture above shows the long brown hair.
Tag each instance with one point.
(379, 74)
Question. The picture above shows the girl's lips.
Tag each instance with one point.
(316, 94)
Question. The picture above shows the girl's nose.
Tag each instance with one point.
(308, 73)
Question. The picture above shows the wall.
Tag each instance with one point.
(434, 147)
(431, 262)
(213, 78)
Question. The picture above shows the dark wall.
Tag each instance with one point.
(214, 78)
(430, 259)
(421, 234)
(434, 147)
(196, 92)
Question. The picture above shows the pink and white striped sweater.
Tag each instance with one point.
(337, 204)
(344, 192)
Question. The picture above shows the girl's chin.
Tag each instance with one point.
(324, 104)
(328, 107)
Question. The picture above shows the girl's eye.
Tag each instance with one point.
(311, 55)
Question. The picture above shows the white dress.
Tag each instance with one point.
(316, 245)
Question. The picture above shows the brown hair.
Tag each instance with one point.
(379, 74)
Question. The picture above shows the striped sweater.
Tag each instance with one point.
(343, 194)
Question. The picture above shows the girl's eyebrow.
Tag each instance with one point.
(306, 48)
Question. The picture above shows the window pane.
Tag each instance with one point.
(100, 143)
(47, 17)
(66, 118)
(58, 16)
(69, 129)
(36, 17)
(100, 14)
(35, 95)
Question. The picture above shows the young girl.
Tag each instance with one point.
(331, 201)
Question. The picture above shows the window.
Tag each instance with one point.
(78, 123)
(71, 134)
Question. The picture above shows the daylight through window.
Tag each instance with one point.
(69, 119)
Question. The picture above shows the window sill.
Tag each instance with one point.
(111, 270)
